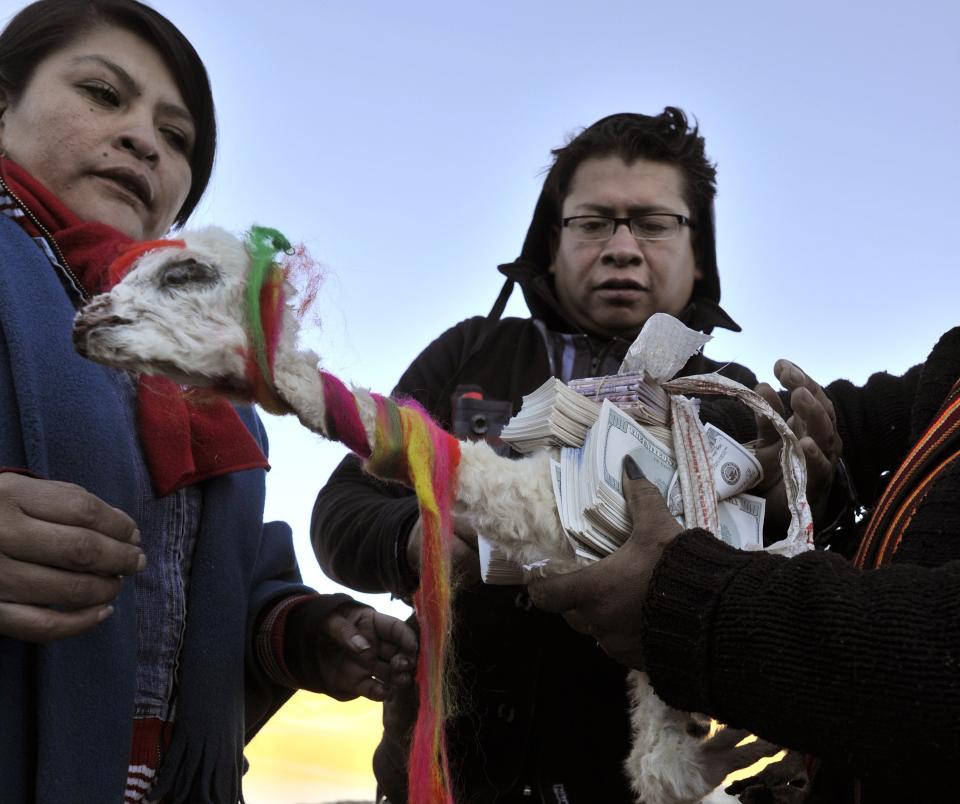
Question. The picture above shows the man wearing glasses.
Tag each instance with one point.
(623, 229)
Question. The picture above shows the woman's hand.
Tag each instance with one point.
(351, 651)
(63, 553)
(604, 599)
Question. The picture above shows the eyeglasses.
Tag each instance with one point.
(649, 226)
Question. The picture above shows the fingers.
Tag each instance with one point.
(68, 504)
(793, 378)
(766, 432)
(61, 525)
(40, 624)
(71, 548)
(45, 586)
(395, 633)
(342, 631)
(790, 375)
(371, 688)
(811, 417)
(561, 593)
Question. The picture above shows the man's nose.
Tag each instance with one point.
(622, 247)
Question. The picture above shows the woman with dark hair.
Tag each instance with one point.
(150, 622)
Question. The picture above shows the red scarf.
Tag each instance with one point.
(184, 442)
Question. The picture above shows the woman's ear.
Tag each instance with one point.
(4, 103)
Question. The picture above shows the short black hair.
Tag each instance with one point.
(43, 27)
(668, 138)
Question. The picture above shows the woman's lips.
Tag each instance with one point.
(130, 182)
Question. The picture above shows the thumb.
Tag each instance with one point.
(652, 521)
(558, 593)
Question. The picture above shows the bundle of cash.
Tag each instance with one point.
(589, 492)
(559, 415)
(641, 398)
(551, 416)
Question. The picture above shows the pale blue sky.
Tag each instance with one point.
(404, 144)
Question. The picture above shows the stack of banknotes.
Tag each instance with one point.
(595, 423)
(559, 415)
(589, 492)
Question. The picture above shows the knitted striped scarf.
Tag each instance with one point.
(937, 448)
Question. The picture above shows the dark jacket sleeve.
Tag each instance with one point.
(810, 653)
(361, 524)
(874, 422)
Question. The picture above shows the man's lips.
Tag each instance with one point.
(621, 285)
(131, 181)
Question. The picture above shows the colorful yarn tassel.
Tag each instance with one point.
(414, 450)
(410, 448)
(265, 305)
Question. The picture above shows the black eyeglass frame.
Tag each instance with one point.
(682, 220)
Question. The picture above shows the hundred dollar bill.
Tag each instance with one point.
(741, 521)
(620, 436)
(735, 469)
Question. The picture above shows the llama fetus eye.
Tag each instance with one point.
(188, 272)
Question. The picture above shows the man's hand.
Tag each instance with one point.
(604, 599)
(814, 422)
(351, 651)
(465, 558)
(62, 554)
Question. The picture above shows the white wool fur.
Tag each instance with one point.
(197, 335)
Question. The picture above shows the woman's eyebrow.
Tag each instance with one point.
(131, 87)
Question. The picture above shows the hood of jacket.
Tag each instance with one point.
(531, 271)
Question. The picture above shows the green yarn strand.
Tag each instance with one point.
(263, 244)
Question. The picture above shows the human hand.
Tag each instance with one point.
(604, 599)
(814, 422)
(351, 651)
(62, 554)
(465, 557)
(783, 782)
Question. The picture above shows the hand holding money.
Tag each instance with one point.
(604, 599)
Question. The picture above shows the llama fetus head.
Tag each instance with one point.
(181, 313)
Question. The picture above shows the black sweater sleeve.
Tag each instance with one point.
(874, 422)
(360, 524)
(810, 653)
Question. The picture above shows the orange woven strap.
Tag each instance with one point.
(930, 456)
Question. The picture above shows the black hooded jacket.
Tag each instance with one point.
(543, 712)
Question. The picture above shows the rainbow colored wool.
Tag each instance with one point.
(265, 304)
(409, 447)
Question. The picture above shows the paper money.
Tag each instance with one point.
(589, 490)
(551, 416)
(495, 568)
(741, 521)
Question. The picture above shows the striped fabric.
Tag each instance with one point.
(936, 449)
(151, 736)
